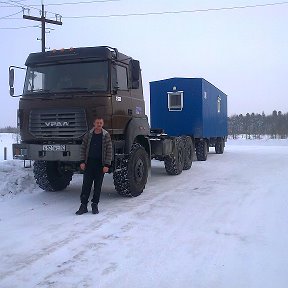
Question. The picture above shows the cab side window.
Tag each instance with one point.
(122, 77)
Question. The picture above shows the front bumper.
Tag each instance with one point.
(36, 152)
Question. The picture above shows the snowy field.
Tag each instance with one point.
(222, 224)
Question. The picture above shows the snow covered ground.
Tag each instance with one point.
(222, 224)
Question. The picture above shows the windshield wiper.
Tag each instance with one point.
(40, 90)
(74, 88)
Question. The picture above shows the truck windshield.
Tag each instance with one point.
(91, 76)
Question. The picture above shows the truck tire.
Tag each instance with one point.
(202, 150)
(188, 152)
(174, 163)
(49, 177)
(131, 178)
(219, 146)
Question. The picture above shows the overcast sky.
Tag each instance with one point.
(241, 51)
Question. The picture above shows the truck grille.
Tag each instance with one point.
(58, 123)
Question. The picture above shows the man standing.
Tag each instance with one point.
(96, 155)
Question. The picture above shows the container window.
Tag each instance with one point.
(219, 104)
(175, 101)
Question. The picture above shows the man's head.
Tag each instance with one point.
(98, 124)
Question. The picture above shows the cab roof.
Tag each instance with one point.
(77, 55)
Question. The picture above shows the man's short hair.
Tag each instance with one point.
(98, 118)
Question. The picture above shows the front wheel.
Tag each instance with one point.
(130, 179)
(50, 177)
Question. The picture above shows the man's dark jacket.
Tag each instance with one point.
(106, 147)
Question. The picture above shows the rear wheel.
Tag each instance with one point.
(219, 146)
(188, 152)
(174, 163)
(131, 177)
(202, 150)
(50, 177)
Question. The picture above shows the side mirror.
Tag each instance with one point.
(12, 80)
(11, 77)
(135, 73)
(11, 91)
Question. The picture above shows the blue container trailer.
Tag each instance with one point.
(188, 106)
(191, 109)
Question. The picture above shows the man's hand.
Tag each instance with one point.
(82, 166)
(105, 169)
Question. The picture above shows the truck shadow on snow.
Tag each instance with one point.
(157, 175)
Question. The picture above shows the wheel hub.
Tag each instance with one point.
(139, 170)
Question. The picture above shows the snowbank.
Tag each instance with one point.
(264, 141)
(6, 140)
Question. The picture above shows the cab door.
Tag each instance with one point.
(121, 99)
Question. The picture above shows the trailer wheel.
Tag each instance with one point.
(188, 152)
(130, 179)
(174, 163)
(50, 177)
(202, 150)
(219, 146)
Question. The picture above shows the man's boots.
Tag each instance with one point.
(83, 209)
(94, 208)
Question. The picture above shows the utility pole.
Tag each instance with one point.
(43, 21)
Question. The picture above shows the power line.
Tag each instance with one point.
(19, 5)
(23, 27)
(151, 13)
(9, 5)
(55, 4)
(5, 17)
(13, 4)
(177, 12)
(76, 3)
(25, 7)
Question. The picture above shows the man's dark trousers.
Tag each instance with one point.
(93, 172)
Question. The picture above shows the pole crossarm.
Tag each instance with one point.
(41, 19)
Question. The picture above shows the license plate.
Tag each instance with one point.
(55, 147)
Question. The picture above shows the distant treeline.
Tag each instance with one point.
(9, 129)
(254, 125)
